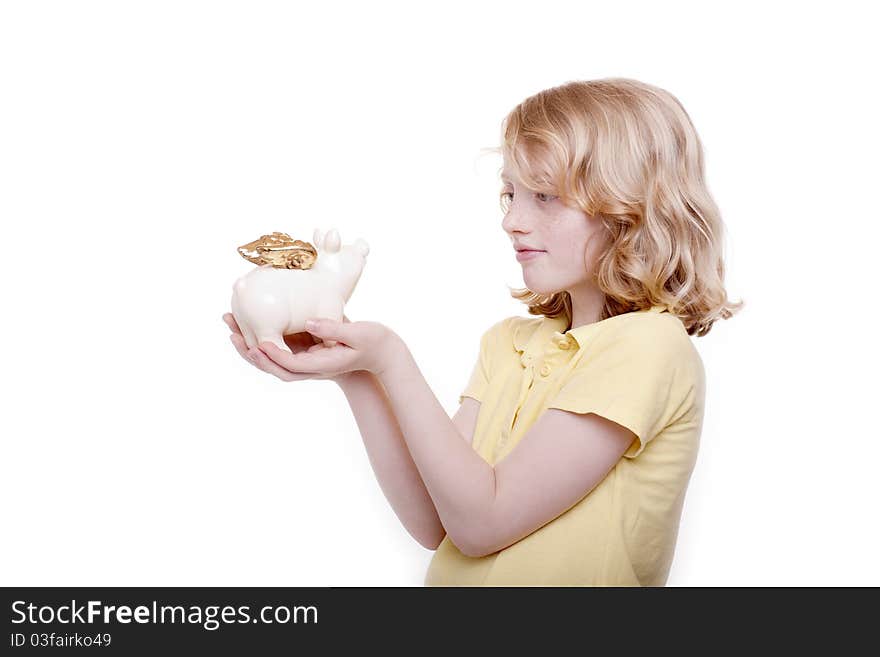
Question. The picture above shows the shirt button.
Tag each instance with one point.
(564, 344)
(545, 370)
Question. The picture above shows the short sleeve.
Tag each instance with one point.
(641, 378)
(482, 370)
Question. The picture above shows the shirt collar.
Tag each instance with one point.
(533, 335)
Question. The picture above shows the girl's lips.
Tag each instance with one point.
(522, 256)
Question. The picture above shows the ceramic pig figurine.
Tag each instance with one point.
(270, 302)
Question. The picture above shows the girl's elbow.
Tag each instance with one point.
(430, 545)
(474, 539)
(431, 542)
(474, 546)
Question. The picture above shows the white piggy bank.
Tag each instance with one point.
(270, 302)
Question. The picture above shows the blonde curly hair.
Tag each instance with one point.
(627, 153)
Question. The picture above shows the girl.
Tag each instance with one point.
(568, 459)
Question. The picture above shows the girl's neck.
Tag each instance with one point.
(586, 306)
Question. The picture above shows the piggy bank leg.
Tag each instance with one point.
(274, 338)
(246, 331)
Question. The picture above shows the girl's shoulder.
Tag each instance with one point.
(511, 332)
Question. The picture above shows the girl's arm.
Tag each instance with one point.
(483, 508)
(389, 456)
(458, 480)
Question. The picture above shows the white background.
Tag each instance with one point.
(141, 143)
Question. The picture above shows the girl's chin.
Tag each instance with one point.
(540, 286)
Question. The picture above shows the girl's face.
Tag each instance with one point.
(566, 239)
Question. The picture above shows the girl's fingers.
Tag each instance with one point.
(311, 362)
(250, 355)
(240, 345)
(257, 358)
(266, 364)
(229, 318)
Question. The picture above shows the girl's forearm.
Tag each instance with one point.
(390, 459)
(460, 482)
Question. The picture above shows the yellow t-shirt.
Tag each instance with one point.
(639, 369)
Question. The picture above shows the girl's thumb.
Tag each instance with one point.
(320, 326)
(329, 330)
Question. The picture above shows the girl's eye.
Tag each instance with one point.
(507, 198)
(541, 196)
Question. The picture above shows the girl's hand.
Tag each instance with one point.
(368, 346)
(297, 342)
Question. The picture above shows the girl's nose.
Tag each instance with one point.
(515, 228)
(512, 221)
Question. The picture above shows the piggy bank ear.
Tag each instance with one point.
(318, 239)
(361, 245)
(332, 243)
